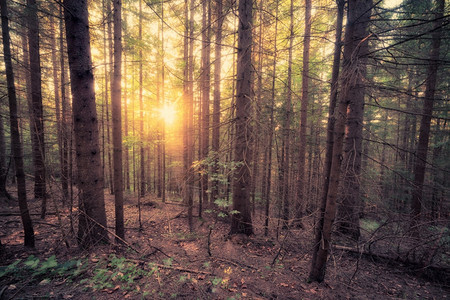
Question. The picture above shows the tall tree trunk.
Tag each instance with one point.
(141, 113)
(116, 97)
(301, 197)
(16, 145)
(188, 113)
(108, 84)
(330, 124)
(163, 124)
(241, 222)
(37, 113)
(205, 98)
(425, 123)
(125, 125)
(285, 176)
(268, 160)
(58, 109)
(216, 101)
(92, 217)
(257, 116)
(66, 130)
(358, 17)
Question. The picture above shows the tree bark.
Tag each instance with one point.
(241, 222)
(141, 113)
(205, 98)
(286, 178)
(188, 113)
(16, 144)
(92, 217)
(216, 102)
(425, 123)
(108, 83)
(268, 158)
(37, 113)
(116, 97)
(358, 17)
(301, 197)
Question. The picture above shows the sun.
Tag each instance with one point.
(168, 113)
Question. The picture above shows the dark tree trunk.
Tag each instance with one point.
(188, 112)
(108, 81)
(66, 132)
(205, 98)
(285, 176)
(141, 113)
(92, 217)
(37, 113)
(304, 115)
(162, 174)
(358, 17)
(350, 200)
(216, 102)
(116, 97)
(268, 159)
(16, 145)
(425, 123)
(241, 222)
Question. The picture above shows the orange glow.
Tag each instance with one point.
(168, 113)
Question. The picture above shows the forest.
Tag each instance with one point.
(224, 149)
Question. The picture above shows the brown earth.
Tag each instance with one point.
(164, 260)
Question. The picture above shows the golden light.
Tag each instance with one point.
(168, 113)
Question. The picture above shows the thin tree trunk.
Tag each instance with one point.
(116, 97)
(425, 123)
(16, 145)
(125, 126)
(216, 102)
(163, 125)
(188, 113)
(65, 114)
(266, 192)
(141, 114)
(92, 215)
(56, 91)
(285, 176)
(205, 99)
(304, 115)
(108, 84)
(257, 134)
(37, 113)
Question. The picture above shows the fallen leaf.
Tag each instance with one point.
(284, 284)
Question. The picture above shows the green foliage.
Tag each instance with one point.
(47, 269)
(115, 271)
(12, 268)
(216, 281)
(369, 225)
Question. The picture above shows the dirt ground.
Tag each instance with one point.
(165, 261)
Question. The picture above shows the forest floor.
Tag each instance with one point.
(164, 260)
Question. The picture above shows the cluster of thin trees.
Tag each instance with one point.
(325, 108)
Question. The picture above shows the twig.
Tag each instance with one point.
(183, 269)
(235, 263)
(23, 286)
(109, 231)
(281, 248)
(172, 267)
